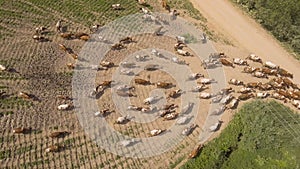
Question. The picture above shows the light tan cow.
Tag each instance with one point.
(196, 151)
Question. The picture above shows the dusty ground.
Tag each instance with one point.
(42, 72)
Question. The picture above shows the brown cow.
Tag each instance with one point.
(289, 83)
(118, 46)
(265, 87)
(163, 85)
(104, 84)
(245, 96)
(175, 93)
(66, 35)
(126, 40)
(284, 73)
(73, 55)
(63, 47)
(21, 130)
(169, 106)
(142, 82)
(58, 134)
(125, 93)
(268, 71)
(253, 84)
(84, 38)
(79, 35)
(278, 96)
(284, 93)
(25, 95)
(226, 62)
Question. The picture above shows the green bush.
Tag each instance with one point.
(281, 18)
(261, 135)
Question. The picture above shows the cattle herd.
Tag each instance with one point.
(279, 86)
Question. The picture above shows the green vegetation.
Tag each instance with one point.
(261, 135)
(35, 163)
(187, 7)
(281, 18)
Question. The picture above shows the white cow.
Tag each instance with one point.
(149, 100)
(271, 65)
(64, 107)
(206, 81)
(186, 108)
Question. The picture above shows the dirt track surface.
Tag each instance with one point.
(245, 33)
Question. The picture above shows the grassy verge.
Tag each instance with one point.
(262, 135)
(281, 18)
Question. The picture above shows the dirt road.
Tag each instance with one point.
(245, 33)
